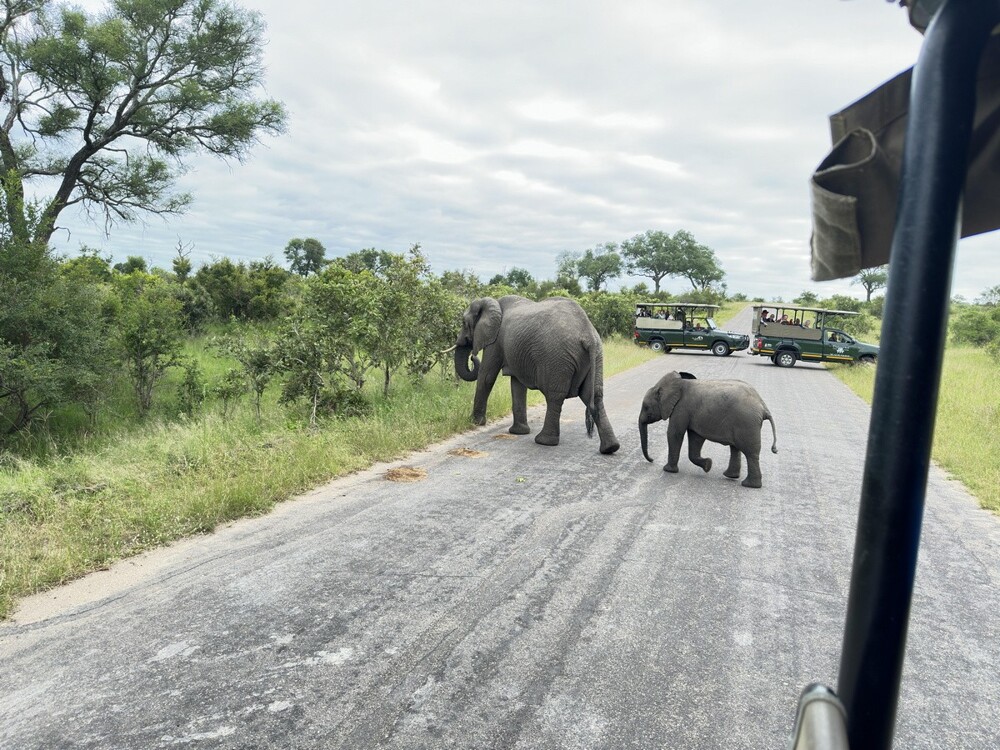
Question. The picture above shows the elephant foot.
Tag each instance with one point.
(610, 448)
(519, 429)
(731, 474)
(706, 465)
(748, 482)
(670, 469)
(542, 439)
(479, 420)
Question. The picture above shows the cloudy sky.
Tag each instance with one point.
(503, 133)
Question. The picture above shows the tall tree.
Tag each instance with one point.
(600, 265)
(872, 279)
(656, 255)
(653, 254)
(105, 106)
(305, 256)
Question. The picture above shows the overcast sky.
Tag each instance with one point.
(502, 133)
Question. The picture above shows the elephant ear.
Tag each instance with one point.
(487, 324)
(670, 393)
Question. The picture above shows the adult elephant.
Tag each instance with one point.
(729, 412)
(550, 346)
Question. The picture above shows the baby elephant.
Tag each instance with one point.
(729, 412)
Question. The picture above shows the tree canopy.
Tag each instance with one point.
(105, 106)
(872, 279)
(305, 256)
(657, 255)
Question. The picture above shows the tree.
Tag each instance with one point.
(131, 264)
(53, 335)
(654, 254)
(305, 256)
(106, 106)
(150, 332)
(568, 272)
(872, 279)
(256, 356)
(599, 265)
(990, 297)
(517, 278)
(807, 299)
(657, 254)
(182, 263)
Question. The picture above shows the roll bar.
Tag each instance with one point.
(942, 104)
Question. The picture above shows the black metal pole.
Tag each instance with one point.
(942, 103)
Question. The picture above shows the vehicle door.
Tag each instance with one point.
(696, 333)
(839, 347)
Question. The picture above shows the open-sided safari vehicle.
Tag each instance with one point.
(788, 333)
(663, 326)
(939, 183)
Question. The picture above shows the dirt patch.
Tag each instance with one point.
(505, 436)
(406, 474)
(467, 453)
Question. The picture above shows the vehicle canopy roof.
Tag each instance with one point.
(784, 306)
(676, 304)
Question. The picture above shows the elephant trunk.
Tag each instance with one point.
(462, 356)
(644, 440)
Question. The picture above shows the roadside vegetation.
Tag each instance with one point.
(967, 427)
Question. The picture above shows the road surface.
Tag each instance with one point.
(520, 597)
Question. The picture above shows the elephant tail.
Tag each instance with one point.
(774, 431)
(587, 391)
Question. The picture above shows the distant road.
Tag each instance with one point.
(527, 597)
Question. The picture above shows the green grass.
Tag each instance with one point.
(967, 428)
(64, 513)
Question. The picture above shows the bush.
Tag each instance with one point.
(978, 325)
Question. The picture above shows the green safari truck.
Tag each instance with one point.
(663, 326)
(789, 333)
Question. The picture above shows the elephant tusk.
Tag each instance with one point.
(450, 349)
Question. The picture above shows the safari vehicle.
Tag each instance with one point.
(939, 180)
(663, 326)
(788, 333)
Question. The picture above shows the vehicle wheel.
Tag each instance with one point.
(785, 359)
(867, 359)
(720, 348)
(656, 345)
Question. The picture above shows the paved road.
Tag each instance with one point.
(528, 598)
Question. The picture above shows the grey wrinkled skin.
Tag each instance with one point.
(729, 412)
(550, 346)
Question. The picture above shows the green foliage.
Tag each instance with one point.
(131, 264)
(611, 314)
(149, 332)
(657, 255)
(229, 388)
(806, 299)
(191, 389)
(978, 325)
(53, 336)
(257, 357)
(600, 265)
(872, 279)
(109, 103)
(305, 256)
(248, 293)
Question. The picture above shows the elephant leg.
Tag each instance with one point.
(753, 471)
(695, 441)
(735, 463)
(609, 443)
(675, 439)
(519, 401)
(550, 431)
(484, 386)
